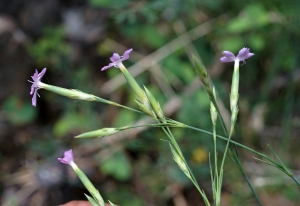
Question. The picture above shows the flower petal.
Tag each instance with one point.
(106, 67)
(115, 58)
(226, 59)
(250, 55)
(243, 53)
(68, 157)
(229, 55)
(126, 54)
(35, 76)
(42, 73)
(32, 88)
(62, 160)
(34, 99)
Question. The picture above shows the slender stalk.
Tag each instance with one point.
(116, 104)
(145, 125)
(252, 189)
(215, 151)
(275, 164)
(217, 195)
(213, 180)
(234, 157)
(193, 179)
(144, 103)
(225, 152)
(220, 116)
(295, 179)
(233, 142)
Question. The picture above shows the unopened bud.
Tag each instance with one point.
(91, 200)
(201, 71)
(99, 133)
(145, 107)
(213, 111)
(179, 160)
(155, 105)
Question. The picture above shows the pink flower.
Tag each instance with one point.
(35, 84)
(116, 59)
(242, 56)
(68, 158)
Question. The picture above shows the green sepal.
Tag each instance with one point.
(203, 76)
(88, 185)
(155, 105)
(112, 204)
(179, 160)
(145, 109)
(92, 201)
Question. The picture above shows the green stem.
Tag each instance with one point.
(245, 147)
(98, 99)
(252, 189)
(145, 125)
(217, 195)
(220, 116)
(233, 142)
(296, 180)
(194, 179)
(225, 152)
(171, 137)
(215, 152)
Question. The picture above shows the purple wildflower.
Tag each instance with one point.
(116, 59)
(35, 84)
(68, 158)
(242, 56)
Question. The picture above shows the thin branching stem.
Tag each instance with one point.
(233, 142)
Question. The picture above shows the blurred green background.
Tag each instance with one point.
(74, 40)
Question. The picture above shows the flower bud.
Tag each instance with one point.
(99, 133)
(91, 200)
(213, 111)
(179, 160)
(202, 74)
(155, 105)
(201, 71)
(146, 109)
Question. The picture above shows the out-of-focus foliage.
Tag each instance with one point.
(51, 49)
(149, 11)
(138, 169)
(18, 112)
(118, 166)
